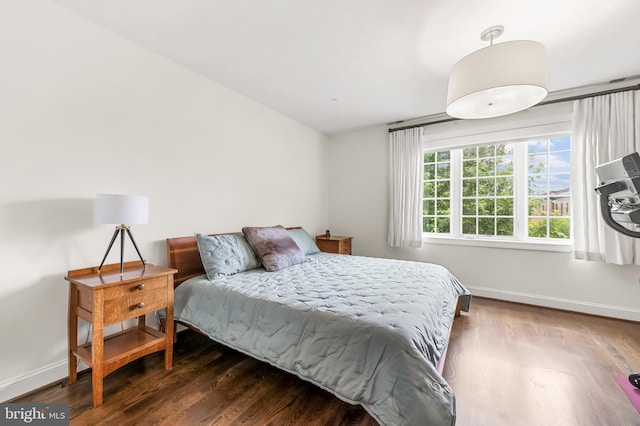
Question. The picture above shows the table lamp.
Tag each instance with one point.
(121, 210)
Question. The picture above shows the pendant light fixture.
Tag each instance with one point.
(497, 80)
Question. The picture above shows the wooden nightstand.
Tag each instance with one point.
(334, 244)
(107, 298)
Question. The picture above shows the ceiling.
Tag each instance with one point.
(339, 65)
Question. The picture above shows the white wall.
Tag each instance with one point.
(358, 200)
(83, 111)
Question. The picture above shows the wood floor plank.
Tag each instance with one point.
(508, 364)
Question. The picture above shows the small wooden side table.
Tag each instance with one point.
(107, 298)
(334, 244)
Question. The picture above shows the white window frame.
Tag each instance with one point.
(548, 121)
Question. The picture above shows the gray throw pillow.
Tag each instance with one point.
(304, 241)
(225, 254)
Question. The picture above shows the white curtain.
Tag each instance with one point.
(406, 183)
(605, 128)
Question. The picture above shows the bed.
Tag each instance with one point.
(372, 331)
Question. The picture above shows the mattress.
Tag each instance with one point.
(369, 330)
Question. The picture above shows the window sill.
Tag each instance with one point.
(560, 246)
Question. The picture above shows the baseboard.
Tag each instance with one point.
(558, 303)
(35, 379)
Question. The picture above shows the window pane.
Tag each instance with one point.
(537, 206)
(507, 149)
(486, 226)
(504, 206)
(469, 207)
(563, 142)
(559, 184)
(429, 190)
(469, 225)
(469, 168)
(537, 228)
(559, 228)
(469, 187)
(486, 187)
(559, 206)
(538, 163)
(560, 162)
(504, 226)
(486, 206)
(429, 171)
(429, 207)
(443, 171)
(487, 167)
(486, 151)
(538, 145)
(504, 186)
(428, 224)
(443, 208)
(443, 225)
(444, 155)
(537, 185)
(504, 166)
(469, 153)
(429, 157)
(443, 189)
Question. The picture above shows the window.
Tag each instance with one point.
(487, 190)
(515, 190)
(549, 188)
(437, 195)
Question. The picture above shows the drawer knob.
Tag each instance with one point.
(140, 286)
(140, 305)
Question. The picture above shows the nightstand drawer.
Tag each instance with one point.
(135, 305)
(134, 288)
(345, 247)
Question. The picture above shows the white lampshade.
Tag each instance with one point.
(121, 209)
(498, 80)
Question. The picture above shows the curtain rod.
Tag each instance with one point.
(548, 102)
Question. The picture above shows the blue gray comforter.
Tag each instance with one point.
(371, 331)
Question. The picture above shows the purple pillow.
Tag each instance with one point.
(274, 247)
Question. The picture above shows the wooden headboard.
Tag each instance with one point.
(183, 255)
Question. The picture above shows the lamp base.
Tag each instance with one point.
(121, 230)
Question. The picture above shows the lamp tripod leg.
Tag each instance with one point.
(115, 234)
(136, 247)
(122, 251)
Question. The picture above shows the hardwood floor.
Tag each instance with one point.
(508, 364)
(512, 364)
